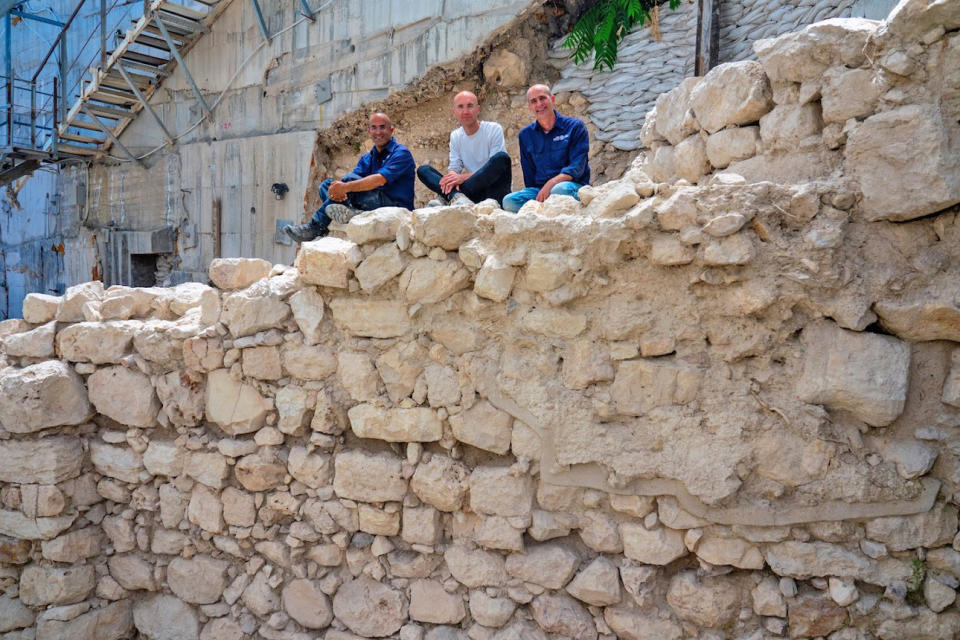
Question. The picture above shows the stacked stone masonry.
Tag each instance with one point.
(653, 61)
(718, 398)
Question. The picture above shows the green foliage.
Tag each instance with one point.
(915, 585)
(601, 28)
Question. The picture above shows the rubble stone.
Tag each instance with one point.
(40, 396)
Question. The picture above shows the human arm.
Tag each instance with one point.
(452, 180)
(527, 165)
(550, 184)
(577, 154)
(338, 190)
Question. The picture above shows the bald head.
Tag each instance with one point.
(380, 115)
(380, 129)
(466, 109)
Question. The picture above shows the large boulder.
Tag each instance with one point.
(126, 395)
(237, 273)
(48, 394)
(236, 407)
(369, 608)
(807, 53)
(733, 93)
(46, 461)
(328, 262)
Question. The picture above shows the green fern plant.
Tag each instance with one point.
(603, 26)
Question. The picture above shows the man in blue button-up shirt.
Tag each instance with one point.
(553, 152)
(382, 178)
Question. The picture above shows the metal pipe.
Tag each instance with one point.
(33, 115)
(54, 133)
(61, 36)
(179, 58)
(8, 60)
(260, 20)
(33, 16)
(64, 70)
(307, 13)
(103, 34)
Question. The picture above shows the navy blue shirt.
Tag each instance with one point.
(395, 163)
(563, 149)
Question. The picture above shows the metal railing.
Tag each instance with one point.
(28, 122)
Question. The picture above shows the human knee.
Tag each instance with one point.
(500, 159)
(512, 202)
(566, 189)
(424, 171)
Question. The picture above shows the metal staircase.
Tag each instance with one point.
(121, 87)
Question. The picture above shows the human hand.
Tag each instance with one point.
(450, 181)
(544, 192)
(337, 191)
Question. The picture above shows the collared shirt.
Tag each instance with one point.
(395, 163)
(564, 149)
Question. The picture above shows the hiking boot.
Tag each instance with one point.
(460, 200)
(304, 232)
(341, 213)
(439, 201)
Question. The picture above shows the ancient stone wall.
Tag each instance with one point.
(708, 404)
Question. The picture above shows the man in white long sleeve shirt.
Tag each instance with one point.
(479, 166)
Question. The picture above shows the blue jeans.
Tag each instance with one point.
(362, 200)
(512, 202)
(492, 180)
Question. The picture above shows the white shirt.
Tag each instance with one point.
(472, 152)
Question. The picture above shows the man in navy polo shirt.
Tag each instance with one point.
(553, 152)
(382, 178)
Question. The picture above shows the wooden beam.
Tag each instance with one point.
(708, 36)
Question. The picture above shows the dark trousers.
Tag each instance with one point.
(492, 180)
(362, 200)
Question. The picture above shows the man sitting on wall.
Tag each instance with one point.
(382, 178)
(479, 166)
(553, 152)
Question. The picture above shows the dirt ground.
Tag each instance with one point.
(422, 114)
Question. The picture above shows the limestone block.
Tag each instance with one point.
(732, 145)
(123, 303)
(708, 602)
(679, 211)
(767, 599)
(197, 580)
(657, 546)
(207, 467)
(444, 227)
(597, 584)
(490, 611)
(294, 405)
(909, 21)
(205, 509)
(262, 363)
(441, 482)
(201, 354)
(304, 601)
(368, 477)
(17, 525)
(690, 160)
(428, 281)
(117, 462)
(307, 307)
(641, 385)
(668, 251)
(732, 250)
(848, 93)
(735, 552)
(496, 532)
(253, 309)
(39, 396)
(14, 614)
(934, 528)
(190, 296)
(39, 308)
(377, 225)
(355, 600)
(930, 314)
(41, 500)
(951, 386)
(675, 121)
(221, 629)
(40, 586)
(904, 160)
(307, 363)
(549, 565)
(501, 492)
(417, 424)
(805, 54)
(554, 323)
(164, 617)
(505, 69)
(788, 124)
(71, 306)
(495, 279)
(422, 525)
(126, 395)
(164, 458)
(357, 375)
(74, 546)
(167, 542)
(548, 271)
(132, 572)
(259, 472)
(732, 93)
(182, 397)
(814, 615)
(659, 165)
(46, 461)
(36, 343)
(371, 318)
(615, 201)
(863, 373)
(561, 614)
(475, 568)
(237, 273)
(259, 597)
(724, 224)
(648, 132)
(632, 624)
(586, 363)
(483, 426)
(399, 368)
(380, 267)
(234, 406)
(913, 459)
(378, 522)
(937, 595)
(599, 532)
(327, 262)
(109, 622)
(429, 602)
